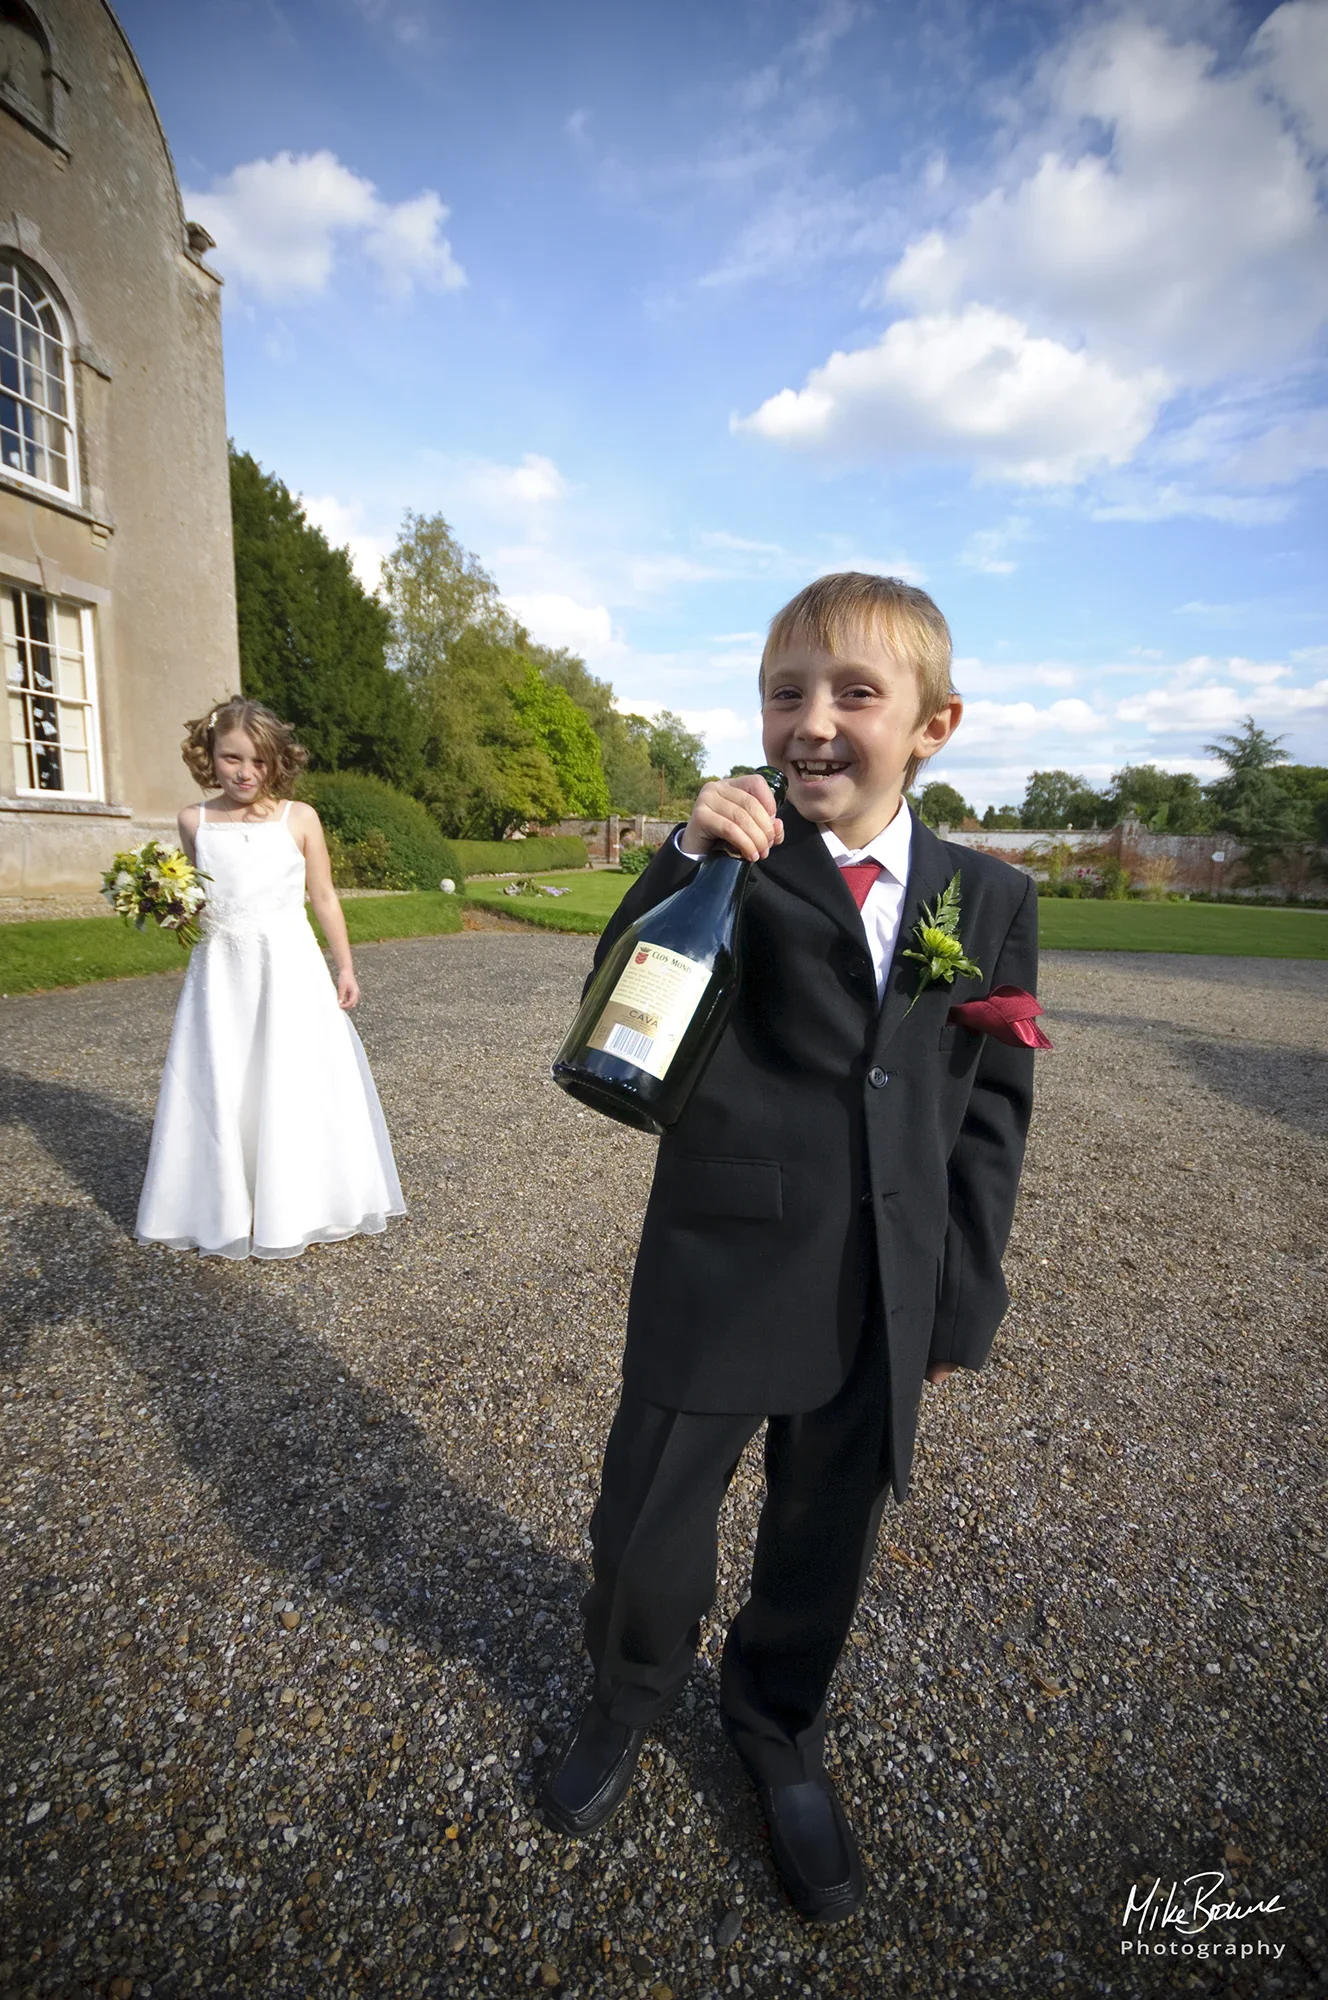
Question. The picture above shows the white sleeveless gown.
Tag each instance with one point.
(269, 1135)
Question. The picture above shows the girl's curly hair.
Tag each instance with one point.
(282, 757)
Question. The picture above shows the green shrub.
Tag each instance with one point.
(636, 860)
(378, 837)
(520, 857)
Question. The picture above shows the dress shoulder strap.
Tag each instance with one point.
(285, 810)
(202, 811)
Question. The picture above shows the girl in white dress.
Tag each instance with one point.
(269, 1135)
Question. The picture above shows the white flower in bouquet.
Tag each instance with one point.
(157, 881)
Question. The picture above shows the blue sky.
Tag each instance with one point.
(670, 308)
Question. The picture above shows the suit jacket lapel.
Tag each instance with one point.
(802, 863)
(929, 869)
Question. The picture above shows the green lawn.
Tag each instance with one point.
(70, 951)
(595, 895)
(67, 951)
(1228, 930)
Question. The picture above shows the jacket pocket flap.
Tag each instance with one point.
(750, 1190)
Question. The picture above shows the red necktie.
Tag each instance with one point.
(859, 876)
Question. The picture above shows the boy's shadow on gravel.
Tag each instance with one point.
(1286, 1083)
(315, 1472)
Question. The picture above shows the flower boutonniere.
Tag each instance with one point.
(941, 954)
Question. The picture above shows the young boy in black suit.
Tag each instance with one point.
(826, 1223)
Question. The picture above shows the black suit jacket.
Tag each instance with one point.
(828, 1135)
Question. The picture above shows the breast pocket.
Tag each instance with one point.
(738, 1190)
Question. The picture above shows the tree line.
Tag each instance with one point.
(1264, 801)
(433, 685)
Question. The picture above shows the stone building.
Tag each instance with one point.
(117, 591)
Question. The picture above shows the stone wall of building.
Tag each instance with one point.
(91, 206)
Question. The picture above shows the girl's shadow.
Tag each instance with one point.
(317, 1473)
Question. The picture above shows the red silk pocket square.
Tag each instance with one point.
(1008, 1014)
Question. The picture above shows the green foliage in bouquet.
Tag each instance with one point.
(157, 882)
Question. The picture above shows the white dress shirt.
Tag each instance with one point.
(885, 899)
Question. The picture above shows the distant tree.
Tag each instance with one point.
(1308, 783)
(1251, 749)
(676, 755)
(1165, 801)
(435, 590)
(631, 785)
(1002, 818)
(1059, 798)
(485, 769)
(940, 804)
(500, 744)
(1252, 802)
(742, 770)
(563, 731)
(313, 642)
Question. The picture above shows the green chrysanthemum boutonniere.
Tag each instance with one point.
(941, 951)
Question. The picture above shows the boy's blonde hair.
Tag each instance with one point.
(831, 611)
(282, 757)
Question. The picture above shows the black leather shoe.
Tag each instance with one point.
(593, 1773)
(814, 1849)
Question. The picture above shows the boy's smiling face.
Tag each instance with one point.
(843, 728)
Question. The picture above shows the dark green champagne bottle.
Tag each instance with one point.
(657, 1006)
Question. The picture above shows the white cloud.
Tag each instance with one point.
(1194, 239)
(1153, 223)
(503, 489)
(282, 224)
(343, 526)
(987, 550)
(556, 620)
(997, 676)
(975, 385)
(1293, 44)
(1192, 709)
(995, 723)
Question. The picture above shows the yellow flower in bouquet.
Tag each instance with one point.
(157, 880)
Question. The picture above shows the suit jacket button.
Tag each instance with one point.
(877, 1078)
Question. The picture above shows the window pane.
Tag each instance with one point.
(18, 734)
(68, 630)
(9, 441)
(76, 767)
(73, 727)
(8, 358)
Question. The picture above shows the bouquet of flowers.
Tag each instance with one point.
(158, 881)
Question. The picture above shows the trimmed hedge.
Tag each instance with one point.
(521, 857)
(380, 837)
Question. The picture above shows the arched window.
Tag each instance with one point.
(36, 393)
(25, 70)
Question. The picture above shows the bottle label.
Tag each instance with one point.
(651, 1008)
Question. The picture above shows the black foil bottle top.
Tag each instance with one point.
(777, 782)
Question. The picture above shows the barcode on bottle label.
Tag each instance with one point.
(627, 1042)
(650, 1008)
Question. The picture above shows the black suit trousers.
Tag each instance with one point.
(654, 1535)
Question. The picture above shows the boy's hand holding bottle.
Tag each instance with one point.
(737, 813)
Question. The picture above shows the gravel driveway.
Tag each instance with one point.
(293, 1550)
